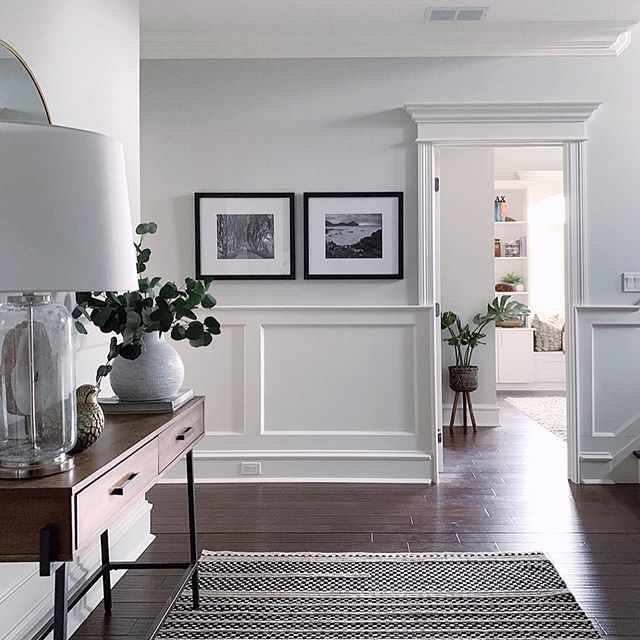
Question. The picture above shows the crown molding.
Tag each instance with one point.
(602, 38)
(502, 112)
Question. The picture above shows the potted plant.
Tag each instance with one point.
(463, 376)
(142, 365)
(510, 282)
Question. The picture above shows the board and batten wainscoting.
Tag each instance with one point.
(608, 412)
(314, 394)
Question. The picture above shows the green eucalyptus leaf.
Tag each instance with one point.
(213, 326)
(178, 332)
(195, 330)
(168, 290)
(130, 351)
(80, 328)
(208, 301)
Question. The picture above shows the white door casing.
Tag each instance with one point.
(512, 124)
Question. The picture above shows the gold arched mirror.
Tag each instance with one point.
(21, 99)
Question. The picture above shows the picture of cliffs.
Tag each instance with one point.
(353, 235)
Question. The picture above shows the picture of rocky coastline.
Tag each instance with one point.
(357, 235)
(245, 236)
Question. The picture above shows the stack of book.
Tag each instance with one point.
(114, 405)
(516, 249)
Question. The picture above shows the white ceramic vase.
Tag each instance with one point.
(158, 373)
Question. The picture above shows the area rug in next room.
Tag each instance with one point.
(548, 411)
(366, 596)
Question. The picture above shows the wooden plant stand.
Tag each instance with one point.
(466, 405)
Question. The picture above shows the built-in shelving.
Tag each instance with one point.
(511, 231)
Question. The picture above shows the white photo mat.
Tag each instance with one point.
(280, 262)
(318, 265)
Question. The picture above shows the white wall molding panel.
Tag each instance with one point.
(313, 394)
(386, 40)
(608, 400)
(513, 121)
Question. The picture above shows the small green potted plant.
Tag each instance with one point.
(465, 339)
(142, 365)
(511, 282)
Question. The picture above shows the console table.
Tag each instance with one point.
(51, 520)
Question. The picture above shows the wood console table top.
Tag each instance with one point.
(132, 443)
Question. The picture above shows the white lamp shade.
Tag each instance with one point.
(65, 222)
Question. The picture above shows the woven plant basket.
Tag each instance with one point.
(463, 379)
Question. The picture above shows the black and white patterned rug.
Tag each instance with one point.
(387, 596)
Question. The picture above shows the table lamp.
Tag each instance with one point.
(64, 226)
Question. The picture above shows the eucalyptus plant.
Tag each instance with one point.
(155, 306)
(465, 339)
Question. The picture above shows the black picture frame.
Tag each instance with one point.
(203, 195)
(397, 274)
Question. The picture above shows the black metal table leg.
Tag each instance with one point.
(193, 539)
(60, 601)
(106, 575)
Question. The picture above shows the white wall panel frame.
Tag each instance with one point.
(606, 441)
(332, 450)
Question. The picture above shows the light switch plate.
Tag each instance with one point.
(631, 282)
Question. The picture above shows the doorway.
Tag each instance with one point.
(502, 217)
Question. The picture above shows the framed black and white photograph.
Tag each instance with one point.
(353, 235)
(245, 236)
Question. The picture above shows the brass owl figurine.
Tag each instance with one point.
(90, 417)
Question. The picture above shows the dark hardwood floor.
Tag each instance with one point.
(503, 489)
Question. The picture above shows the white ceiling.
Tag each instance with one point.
(370, 28)
(303, 12)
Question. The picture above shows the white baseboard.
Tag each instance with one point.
(308, 466)
(487, 415)
(26, 599)
(532, 386)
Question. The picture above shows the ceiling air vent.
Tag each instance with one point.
(455, 14)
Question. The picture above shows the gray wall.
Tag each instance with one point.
(337, 124)
(466, 252)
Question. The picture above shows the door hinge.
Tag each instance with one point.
(437, 309)
(436, 184)
(439, 437)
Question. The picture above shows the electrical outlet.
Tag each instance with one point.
(250, 468)
(631, 282)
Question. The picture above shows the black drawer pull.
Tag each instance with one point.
(121, 489)
(186, 434)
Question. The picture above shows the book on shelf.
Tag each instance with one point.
(516, 248)
(113, 404)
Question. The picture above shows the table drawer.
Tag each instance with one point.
(180, 436)
(98, 503)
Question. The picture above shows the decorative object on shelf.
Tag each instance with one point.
(500, 207)
(114, 406)
(353, 235)
(68, 229)
(90, 417)
(512, 280)
(157, 373)
(139, 318)
(245, 236)
(463, 377)
(503, 287)
(497, 248)
(510, 323)
(511, 249)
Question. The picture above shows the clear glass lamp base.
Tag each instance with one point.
(21, 471)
